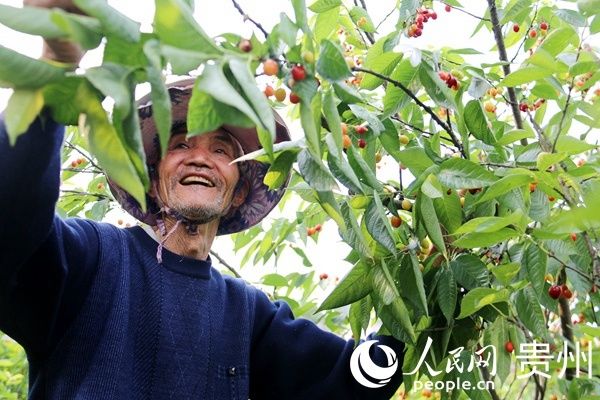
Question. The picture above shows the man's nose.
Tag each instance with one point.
(200, 156)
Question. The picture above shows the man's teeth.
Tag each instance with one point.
(192, 180)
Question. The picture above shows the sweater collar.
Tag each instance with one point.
(172, 261)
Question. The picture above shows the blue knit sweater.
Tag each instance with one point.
(99, 318)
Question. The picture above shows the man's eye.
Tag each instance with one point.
(181, 145)
(221, 151)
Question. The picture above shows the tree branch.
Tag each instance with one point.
(566, 325)
(225, 263)
(368, 34)
(486, 377)
(505, 67)
(425, 107)
(247, 18)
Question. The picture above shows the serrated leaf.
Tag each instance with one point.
(530, 313)
(477, 123)
(340, 168)
(30, 20)
(113, 22)
(353, 287)
(489, 224)
(559, 39)
(470, 272)
(330, 205)
(474, 240)
(513, 136)
(362, 169)
(359, 316)
(378, 225)
(410, 281)
(504, 185)
(278, 172)
(315, 173)
(326, 23)
(331, 63)
(535, 260)
(480, 297)
(458, 173)
(446, 293)
(383, 64)
(356, 13)
(499, 334)
(431, 223)
(545, 160)
(395, 98)
(383, 284)
(431, 187)
(353, 234)
(449, 211)
(396, 319)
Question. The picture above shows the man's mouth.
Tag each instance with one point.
(197, 180)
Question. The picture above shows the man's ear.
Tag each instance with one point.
(239, 197)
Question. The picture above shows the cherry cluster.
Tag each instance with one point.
(558, 291)
(423, 15)
(450, 80)
(524, 107)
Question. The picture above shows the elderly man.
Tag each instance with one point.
(110, 313)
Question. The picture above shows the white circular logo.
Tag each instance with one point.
(361, 362)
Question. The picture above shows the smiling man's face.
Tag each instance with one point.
(195, 178)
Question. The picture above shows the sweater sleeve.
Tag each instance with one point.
(46, 263)
(295, 359)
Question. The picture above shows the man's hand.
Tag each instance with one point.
(60, 50)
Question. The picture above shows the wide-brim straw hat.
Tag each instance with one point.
(260, 199)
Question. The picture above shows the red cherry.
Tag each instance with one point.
(294, 98)
(362, 143)
(433, 15)
(418, 32)
(318, 227)
(298, 72)
(323, 276)
(532, 33)
(544, 26)
(444, 75)
(516, 27)
(447, 8)
(573, 236)
(509, 347)
(523, 107)
(361, 129)
(566, 292)
(555, 291)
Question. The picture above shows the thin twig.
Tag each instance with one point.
(368, 34)
(425, 107)
(505, 67)
(486, 377)
(223, 262)
(472, 15)
(385, 18)
(90, 160)
(247, 18)
(526, 34)
(82, 193)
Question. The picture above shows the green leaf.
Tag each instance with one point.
(60, 98)
(359, 316)
(383, 64)
(300, 13)
(480, 297)
(477, 123)
(113, 22)
(431, 187)
(287, 30)
(320, 6)
(331, 64)
(458, 173)
(446, 293)
(514, 9)
(330, 206)
(410, 280)
(371, 118)
(513, 136)
(22, 108)
(21, 72)
(395, 98)
(530, 313)
(571, 17)
(274, 280)
(473, 240)
(449, 211)
(504, 185)
(470, 272)
(543, 59)
(498, 334)
(214, 82)
(348, 94)
(559, 39)
(310, 130)
(334, 121)
(108, 148)
(545, 160)
(362, 170)
(415, 159)
(175, 25)
(436, 88)
(326, 23)
(353, 234)
(535, 260)
(383, 284)
(161, 101)
(489, 224)
(506, 272)
(356, 13)
(279, 171)
(258, 101)
(378, 225)
(30, 20)
(340, 168)
(353, 287)
(525, 75)
(396, 319)
(431, 223)
(182, 61)
(571, 145)
(315, 173)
